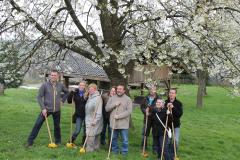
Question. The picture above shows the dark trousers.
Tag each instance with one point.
(159, 143)
(149, 127)
(38, 124)
(106, 128)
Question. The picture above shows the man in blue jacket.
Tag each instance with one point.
(49, 98)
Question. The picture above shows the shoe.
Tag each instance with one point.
(28, 145)
(103, 143)
(58, 143)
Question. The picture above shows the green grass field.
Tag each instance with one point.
(210, 133)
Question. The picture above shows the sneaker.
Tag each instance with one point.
(28, 145)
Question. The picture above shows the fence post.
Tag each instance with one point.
(1, 89)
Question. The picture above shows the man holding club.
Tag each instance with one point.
(175, 106)
(49, 98)
(147, 107)
(120, 107)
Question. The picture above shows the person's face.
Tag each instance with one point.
(81, 86)
(91, 90)
(112, 92)
(172, 94)
(152, 91)
(54, 76)
(159, 103)
(120, 90)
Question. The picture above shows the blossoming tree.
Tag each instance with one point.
(199, 36)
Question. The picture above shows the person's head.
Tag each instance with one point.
(152, 90)
(82, 85)
(112, 91)
(172, 94)
(54, 76)
(159, 103)
(120, 90)
(92, 88)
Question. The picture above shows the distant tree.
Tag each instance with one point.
(11, 74)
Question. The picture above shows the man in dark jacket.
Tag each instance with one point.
(175, 106)
(49, 98)
(79, 96)
(147, 107)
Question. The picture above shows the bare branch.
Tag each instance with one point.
(82, 29)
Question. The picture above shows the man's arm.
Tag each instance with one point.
(127, 112)
(110, 105)
(70, 97)
(41, 96)
(144, 106)
(66, 92)
(177, 110)
(40, 100)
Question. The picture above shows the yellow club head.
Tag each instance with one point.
(82, 150)
(70, 145)
(145, 154)
(52, 145)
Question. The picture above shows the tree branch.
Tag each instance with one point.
(49, 35)
(82, 29)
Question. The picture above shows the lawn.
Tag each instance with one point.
(209, 133)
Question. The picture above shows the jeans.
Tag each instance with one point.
(159, 143)
(79, 123)
(38, 125)
(170, 143)
(124, 137)
(106, 126)
(177, 136)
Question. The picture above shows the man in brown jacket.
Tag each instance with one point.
(120, 107)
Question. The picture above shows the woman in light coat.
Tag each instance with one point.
(93, 118)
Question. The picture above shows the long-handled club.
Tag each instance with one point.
(51, 144)
(82, 149)
(110, 145)
(164, 137)
(144, 153)
(70, 144)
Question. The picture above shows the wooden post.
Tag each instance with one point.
(99, 84)
(66, 81)
(1, 89)
(142, 89)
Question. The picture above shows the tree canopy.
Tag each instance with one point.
(121, 35)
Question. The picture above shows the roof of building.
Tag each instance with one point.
(76, 66)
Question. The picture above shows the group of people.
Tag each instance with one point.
(97, 114)
(160, 116)
(94, 112)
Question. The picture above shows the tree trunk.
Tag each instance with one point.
(205, 90)
(201, 75)
(1, 89)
